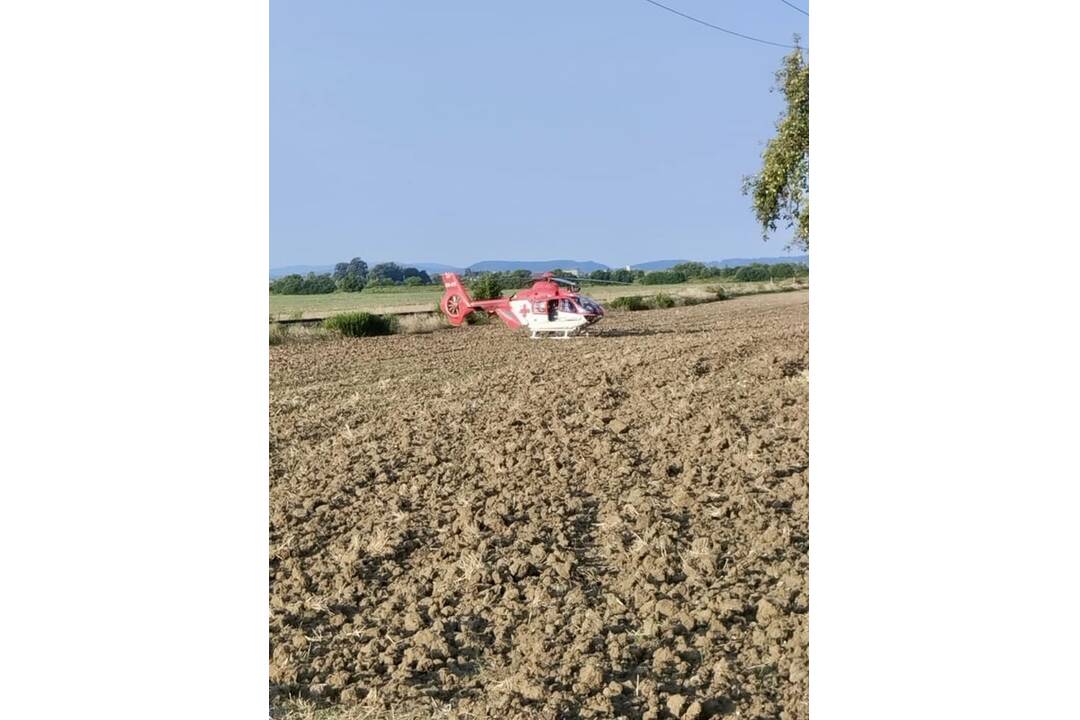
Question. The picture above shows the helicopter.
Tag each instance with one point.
(552, 306)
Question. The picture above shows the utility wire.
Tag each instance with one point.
(717, 27)
(795, 7)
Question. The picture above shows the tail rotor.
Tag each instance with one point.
(456, 303)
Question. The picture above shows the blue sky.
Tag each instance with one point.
(607, 130)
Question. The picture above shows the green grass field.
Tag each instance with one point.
(384, 301)
(411, 299)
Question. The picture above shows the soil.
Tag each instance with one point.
(503, 527)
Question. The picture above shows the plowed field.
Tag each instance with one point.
(475, 524)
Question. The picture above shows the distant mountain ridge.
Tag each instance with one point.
(299, 270)
(582, 266)
(433, 268)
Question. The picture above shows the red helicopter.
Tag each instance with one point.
(552, 305)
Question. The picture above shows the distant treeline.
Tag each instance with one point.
(354, 276)
(754, 272)
(683, 272)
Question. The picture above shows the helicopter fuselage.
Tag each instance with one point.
(545, 308)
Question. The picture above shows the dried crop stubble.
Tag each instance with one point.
(614, 525)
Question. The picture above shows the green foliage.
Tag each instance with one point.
(354, 275)
(781, 191)
(719, 291)
(278, 333)
(701, 271)
(359, 324)
(387, 271)
(517, 279)
(312, 284)
(356, 267)
(506, 280)
(287, 285)
(477, 318)
(421, 276)
(694, 270)
(319, 284)
(663, 277)
(621, 275)
(350, 276)
(350, 282)
(627, 302)
(487, 287)
(663, 300)
(754, 272)
(781, 271)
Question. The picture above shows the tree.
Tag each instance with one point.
(754, 272)
(294, 284)
(663, 277)
(411, 272)
(387, 271)
(692, 269)
(357, 267)
(287, 285)
(781, 191)
(350, 276)
(487, 287)
(350, 282)
(317, 284)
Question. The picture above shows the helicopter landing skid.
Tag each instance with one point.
(553, 334)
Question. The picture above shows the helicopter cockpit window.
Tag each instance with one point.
(566, 305)
(588, 304)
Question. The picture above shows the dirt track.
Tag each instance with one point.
(615, 525)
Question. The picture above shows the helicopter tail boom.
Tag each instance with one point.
(456, 303)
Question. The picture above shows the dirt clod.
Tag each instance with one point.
(591, 676)
(765, 611)
(675, 705)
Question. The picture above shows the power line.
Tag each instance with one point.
(795, 7)
(717, 27)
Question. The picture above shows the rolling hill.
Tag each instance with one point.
(582, 266)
